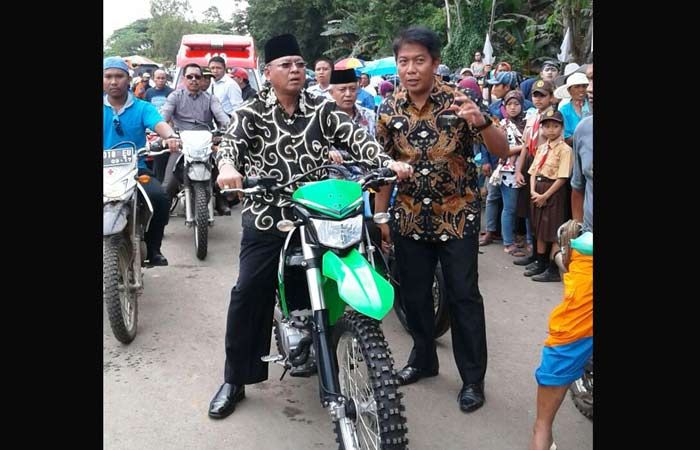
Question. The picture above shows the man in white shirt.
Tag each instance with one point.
(226, 90)
(322, 67)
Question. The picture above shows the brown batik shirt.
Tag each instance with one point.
(440, 201)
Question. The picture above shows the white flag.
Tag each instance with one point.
(565, 48)
(488, 51)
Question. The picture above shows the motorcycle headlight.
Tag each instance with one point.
(339, 234)
(198, 152)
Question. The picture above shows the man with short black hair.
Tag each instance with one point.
(190, 109)
(322, 68)
(158, 94)
(223, 87)
(437, 211)
(549, 71)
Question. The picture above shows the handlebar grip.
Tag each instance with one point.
(157, 145)
(249, 182)
(386, 172)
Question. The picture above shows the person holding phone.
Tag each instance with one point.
(432, 126)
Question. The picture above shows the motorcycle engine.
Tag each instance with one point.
(289, 337)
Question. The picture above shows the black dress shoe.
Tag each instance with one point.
(410, 374)
(224, 402)
(471, 397)
(157, 260)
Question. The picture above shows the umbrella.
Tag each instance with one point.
(140, 60)
(349, 63)
(384, 66)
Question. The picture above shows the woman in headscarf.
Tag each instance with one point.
(513, 124)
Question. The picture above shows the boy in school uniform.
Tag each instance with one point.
(550, 171)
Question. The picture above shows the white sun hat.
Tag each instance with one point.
(574, 79)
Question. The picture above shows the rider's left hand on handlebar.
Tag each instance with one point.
(173, 144)
(403, 170)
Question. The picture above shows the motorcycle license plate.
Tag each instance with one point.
(118, 157)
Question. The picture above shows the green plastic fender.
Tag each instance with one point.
(583, 244)
(359, 285)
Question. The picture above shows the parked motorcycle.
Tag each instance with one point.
(127, 213)
(330, 301)
(193, 170)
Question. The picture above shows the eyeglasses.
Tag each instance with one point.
(193, 77)
(287, 65)
(117, 126)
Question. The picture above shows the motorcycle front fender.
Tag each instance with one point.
(199, 172)
(114, 217)
(358, 285)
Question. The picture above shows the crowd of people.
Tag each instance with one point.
(525, 145)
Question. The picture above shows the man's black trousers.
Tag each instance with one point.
(249, 321)
(458, 257)
(161, 213)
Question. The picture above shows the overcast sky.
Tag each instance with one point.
(120, 13)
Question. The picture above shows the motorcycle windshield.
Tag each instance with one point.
(196, 143)
(359, 285)
(334, 198)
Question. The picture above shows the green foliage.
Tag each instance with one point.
(524, 31)
(130, 40)
(467, 36)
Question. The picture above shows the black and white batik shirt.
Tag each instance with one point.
(262, 140)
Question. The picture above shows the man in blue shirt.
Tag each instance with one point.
(125, 119)
(157, 95)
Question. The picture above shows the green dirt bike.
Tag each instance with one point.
(330, 301)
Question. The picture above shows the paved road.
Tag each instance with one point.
(157, 389)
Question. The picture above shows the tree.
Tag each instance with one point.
(239, 18)
(179, 8)
(211, 15)
(167, 32)
(130, 40)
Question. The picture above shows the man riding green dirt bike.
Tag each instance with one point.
(282, 134)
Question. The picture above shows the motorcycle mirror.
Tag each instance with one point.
(285, 225)
(381, 217)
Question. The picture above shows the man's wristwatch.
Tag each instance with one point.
(485, 125)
